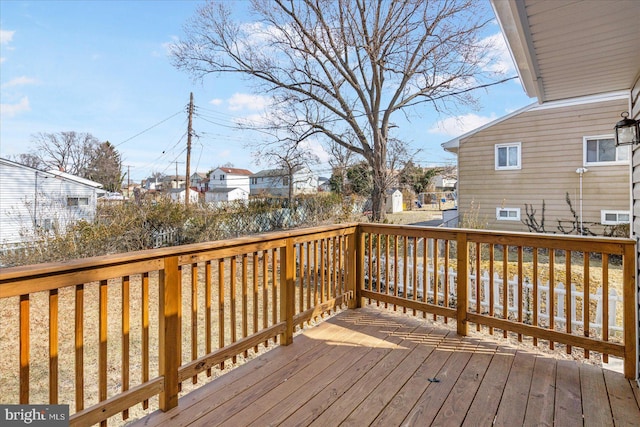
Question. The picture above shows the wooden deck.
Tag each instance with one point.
(375, 367)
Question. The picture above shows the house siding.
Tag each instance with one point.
(551, 150)
(28, 196)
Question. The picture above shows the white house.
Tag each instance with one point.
(275, 182)
(224, 177)
(179, 194)
(31, 199)
(221, 195)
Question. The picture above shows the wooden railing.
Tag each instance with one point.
(424, 270)
(132, 332)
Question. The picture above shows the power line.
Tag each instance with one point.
(148, 129)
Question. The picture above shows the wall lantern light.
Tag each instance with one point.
(627, 130)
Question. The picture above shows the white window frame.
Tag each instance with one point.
(508, 218)
(507, 146)
(77, 201)
(604, 213)
(605, 163)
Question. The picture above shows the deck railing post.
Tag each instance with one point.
(169, 333)
(287, 290)
(629, 290)
(462, 291)
(352, 269)
(359, 267)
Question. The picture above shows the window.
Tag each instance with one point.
(254, 181)
(601, 150)
(614, 217)
(285, 181)
(221, 177)
(508, 156)
(508, 214)
(77, 201)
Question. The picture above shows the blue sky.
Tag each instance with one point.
(102, 67)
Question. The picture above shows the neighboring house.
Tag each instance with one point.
(179, 195)
(152, 183)
(33, 200)
(324, 184)
(196, 179)
(227, 178)
(444, 182)
(173, 182)
(571, 49)
(275, 182)
(541, 153)
(222, 195)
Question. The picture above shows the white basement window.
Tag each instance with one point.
(508, 156)
(508, 214)
(614, 217)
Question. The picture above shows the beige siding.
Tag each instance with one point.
(552, 149)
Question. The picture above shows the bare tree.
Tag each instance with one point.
(70, 151)
(344, 68)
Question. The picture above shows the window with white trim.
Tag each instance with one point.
(508, 214)
(77, 201)
(508, 156)
(614, 217)
(602, 150)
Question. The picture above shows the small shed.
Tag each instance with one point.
(394, 201)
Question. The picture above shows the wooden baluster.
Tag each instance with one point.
(125, 338)
(478, 287)
(567, 296)
(316, 271)
(221, 311)
(585, 299)
(629, 310)
(274, 288)
(255, 296)
(145, 333)
(446, 277)
(300, 248)
(79, 347)
(232, 294)
(370, 263)
(53, 346)
(436, 275)
(492, 297)
(605, 302)
(207, 312)
(415, 271)
(505, 285)
(405, 269)
(24, 349)
(520, 290)
(245, 301)
(308, 248)
(102, 352)
(552, 289)
(265, 292)
(535, 292)
(194, 315)
(386, 267)
(395, 269)
(322, 270)
(425, 273)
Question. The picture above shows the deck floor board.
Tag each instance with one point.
(373, 367)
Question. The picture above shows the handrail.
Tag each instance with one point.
(191, 309)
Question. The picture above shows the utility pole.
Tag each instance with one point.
(128, 181)
(189, 132)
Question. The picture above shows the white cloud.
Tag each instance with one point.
(6, 36)
(454, 126)
(245, 101)
(500, 61)
(216, 101)
(10, 110)
(20, 81)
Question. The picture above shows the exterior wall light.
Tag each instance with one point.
(627, 131)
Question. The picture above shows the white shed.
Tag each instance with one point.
(218, 195)
(394, 201)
